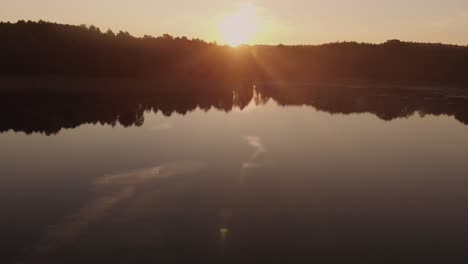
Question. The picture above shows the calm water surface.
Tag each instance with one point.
(268, 183)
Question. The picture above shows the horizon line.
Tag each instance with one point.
(90, 26)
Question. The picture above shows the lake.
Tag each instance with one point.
(265, 174)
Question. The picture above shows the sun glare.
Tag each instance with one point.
(240, 27)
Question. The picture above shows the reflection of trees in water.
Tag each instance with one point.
(387, 104)
(111, 103)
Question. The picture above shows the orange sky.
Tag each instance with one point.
(261, 21)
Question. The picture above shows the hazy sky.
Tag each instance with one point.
(276, 21)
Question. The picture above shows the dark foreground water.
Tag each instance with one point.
(375, 178)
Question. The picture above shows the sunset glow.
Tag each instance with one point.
(239, 131)
(260, 21)
(240, 27)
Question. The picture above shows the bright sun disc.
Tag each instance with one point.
(240, 27)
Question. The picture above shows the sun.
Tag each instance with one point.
(240, 27)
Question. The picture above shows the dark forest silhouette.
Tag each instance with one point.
(43, 48)
(56, 76)
(50, 106)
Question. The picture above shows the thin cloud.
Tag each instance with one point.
(120, 187)
(253, 162)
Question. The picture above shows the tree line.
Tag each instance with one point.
(51, 49)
